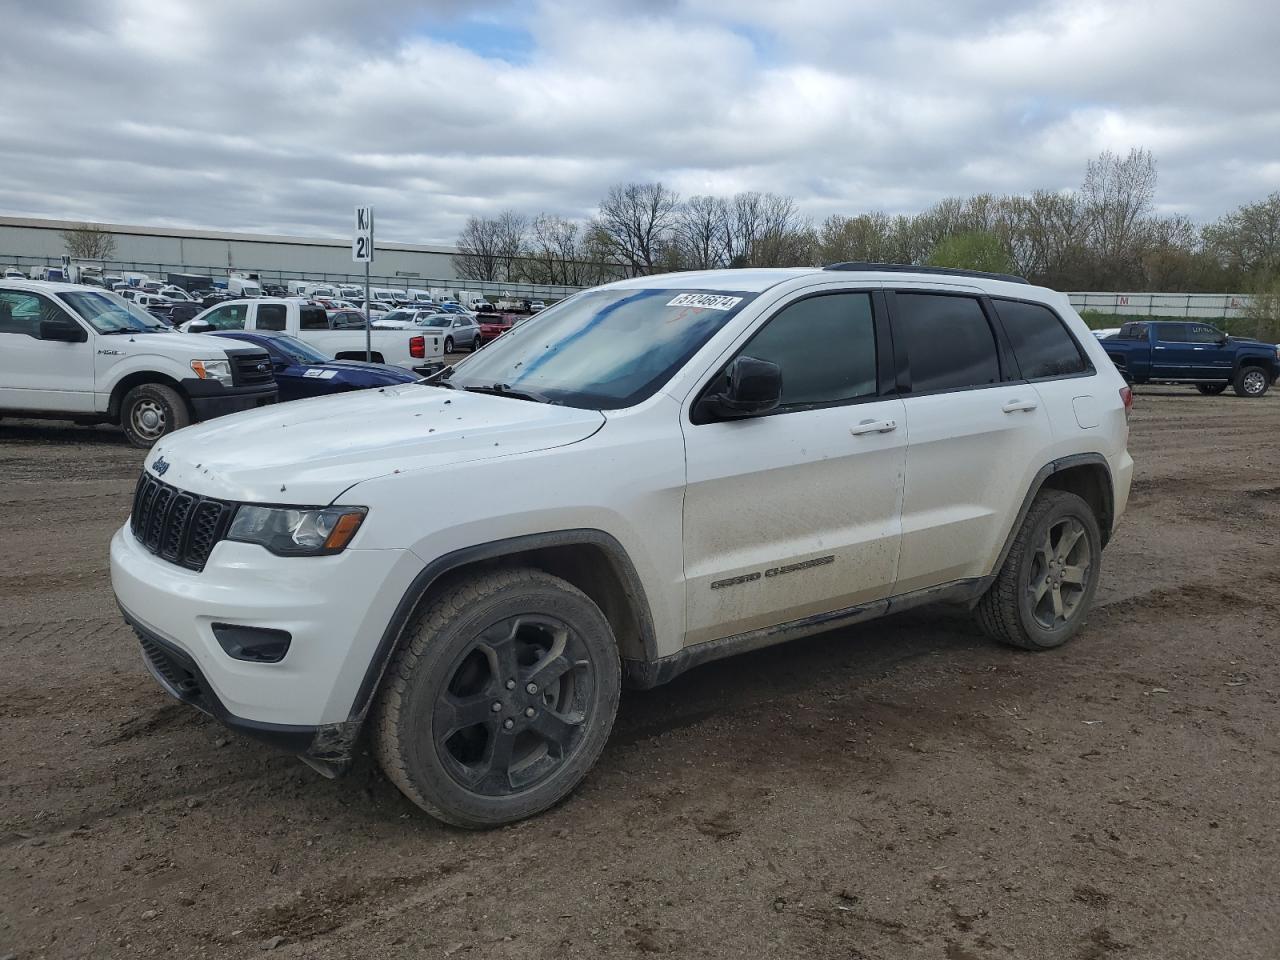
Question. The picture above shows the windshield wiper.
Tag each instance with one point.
(503, 390)
(439, 379)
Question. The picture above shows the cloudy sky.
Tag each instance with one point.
(280, 115)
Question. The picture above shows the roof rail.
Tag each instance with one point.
(853, 265)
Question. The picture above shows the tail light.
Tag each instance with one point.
(1126, 397)
(418, 347)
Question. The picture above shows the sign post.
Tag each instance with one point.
(362, 252)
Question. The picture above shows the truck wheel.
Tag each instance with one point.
(1043, 592)
(151, 410)
(1251, 382)
(1211, 389)
(448, 344)
(500, 700)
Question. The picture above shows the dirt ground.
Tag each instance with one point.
(901, 789)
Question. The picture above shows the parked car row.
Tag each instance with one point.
(83, 353)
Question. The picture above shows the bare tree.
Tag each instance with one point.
(702, 233)
(635, 222)
(867, 237)
(510, 233)
(479, 249)
(1117, 195)
(89, 241)
(1247, 240)
(554, 253)
(766, 230)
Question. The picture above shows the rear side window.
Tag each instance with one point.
(1040, 342)
(948, 342)
(313, 318)
(1132, 331)
(271, 316)
(1172, 332)
(825, 347)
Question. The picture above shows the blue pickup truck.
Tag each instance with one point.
(1160, 351)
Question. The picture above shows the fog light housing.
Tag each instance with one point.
(253, 644)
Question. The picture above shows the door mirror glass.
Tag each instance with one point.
(63, 329)
(751, 387)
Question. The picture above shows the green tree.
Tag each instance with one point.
(976, 250)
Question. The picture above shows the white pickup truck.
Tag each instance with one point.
(81, 353)
(422, 353)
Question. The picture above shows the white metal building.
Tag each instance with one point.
(27, 242)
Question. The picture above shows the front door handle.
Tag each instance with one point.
(1015, 406)
(874, 426)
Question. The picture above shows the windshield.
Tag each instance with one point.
(435, 320)
(110, 313)
(602, 350)
(299, 352)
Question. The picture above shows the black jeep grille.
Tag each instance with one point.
(177, 526)
(250, 368)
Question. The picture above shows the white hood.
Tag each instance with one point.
(308, 451)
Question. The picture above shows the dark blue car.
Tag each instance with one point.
(303, 371)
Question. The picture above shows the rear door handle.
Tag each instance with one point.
(874, 426)
(1014, 406)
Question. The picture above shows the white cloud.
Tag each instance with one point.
(280, 116)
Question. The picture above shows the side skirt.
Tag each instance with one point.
(643, 675)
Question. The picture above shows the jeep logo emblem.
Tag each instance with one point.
(161, 466)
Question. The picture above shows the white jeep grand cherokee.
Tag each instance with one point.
(690, 466)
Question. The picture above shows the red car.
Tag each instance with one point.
(494, 325)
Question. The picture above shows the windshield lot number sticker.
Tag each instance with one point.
(707, 301)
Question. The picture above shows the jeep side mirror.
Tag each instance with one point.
(63, 329)
(199, 326)
(751, 387)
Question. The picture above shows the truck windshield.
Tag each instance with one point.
(111, 313)
(602, 350)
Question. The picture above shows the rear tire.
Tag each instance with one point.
(448, 344)
(1043, 592)
(1211, 389)
(1251, 382)
(150, 411)
(531, 644)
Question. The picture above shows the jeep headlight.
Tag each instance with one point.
(297, 531)
(219, 370)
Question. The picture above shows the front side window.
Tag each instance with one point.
(21, 313)
(230, 316)
(603, 349)
(1203, 333)
(948, 342)
(825, 347)
(271, 316)
(1040, 342)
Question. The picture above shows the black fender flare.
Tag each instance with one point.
(496, 550)
(1037, 482)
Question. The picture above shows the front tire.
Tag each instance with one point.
(1043, 592)
(1251, 382)
(500, 699)
(150, 411)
